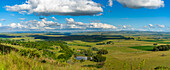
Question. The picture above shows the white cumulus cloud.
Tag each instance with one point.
(16, 25)
(101, 25)
(151, 4)
(57, 7)
(35, 25)
(41, 25)
(0, 24)
(80, 25)
(110, 3)
(150, 25)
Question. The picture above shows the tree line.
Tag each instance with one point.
(161, 48)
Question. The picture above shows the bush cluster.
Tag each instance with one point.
(95, 49)
(30, 53)
(105, 43)
(99, 58)
(161, 48)
(49, 54)
(161, 68)
(102, 51)
(67, 52)
(38, 44)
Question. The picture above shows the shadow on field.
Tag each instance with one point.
(6, 36)
(86, 38)
(89, 66)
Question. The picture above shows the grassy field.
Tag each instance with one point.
(124, 54)
(144, 48)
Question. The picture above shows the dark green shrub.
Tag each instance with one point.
(155, 49)
(83, 52)
(100, 44)
(110, 42)
(67, 52)
(82, 60)
(161, 48)
(89, 52)
(155, 44)
(64, 56)
(99, 66)
(89, 58)
(95, 49)
(43, 61)
(49, 54)
(102, 51)
(161, 68)
(56, 47)
(98, 58)
(30, 53)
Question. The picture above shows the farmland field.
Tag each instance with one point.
(127, 51)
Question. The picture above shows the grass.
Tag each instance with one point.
(13, 61)
(122, 52)
(145, 48)
(158, 41)
(129, 52)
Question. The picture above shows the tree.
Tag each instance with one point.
(89, 52)
(99, 58)
(100, 44)
(139, 39)
(110, 42)
(63, 56)
(102, 51)
(161, 48)
(155, 44)
(161, 68)
(95, 49)
(155, 49)
(82, 60)
(67, 52)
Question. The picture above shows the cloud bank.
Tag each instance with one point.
(156, 26)
(71, 24)
(44, 25)
(57, 7)
(160, 26)
(150, 4)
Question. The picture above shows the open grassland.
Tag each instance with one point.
(124, 54)
(132, 52)
(133, 57)
(14, 61)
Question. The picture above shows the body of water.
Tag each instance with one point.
(82, 57)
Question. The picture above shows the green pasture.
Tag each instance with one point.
(122, 54)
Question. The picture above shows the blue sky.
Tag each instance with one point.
(120, 16)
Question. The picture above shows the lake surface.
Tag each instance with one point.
(81, 57)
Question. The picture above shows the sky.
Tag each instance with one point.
(82, 15)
